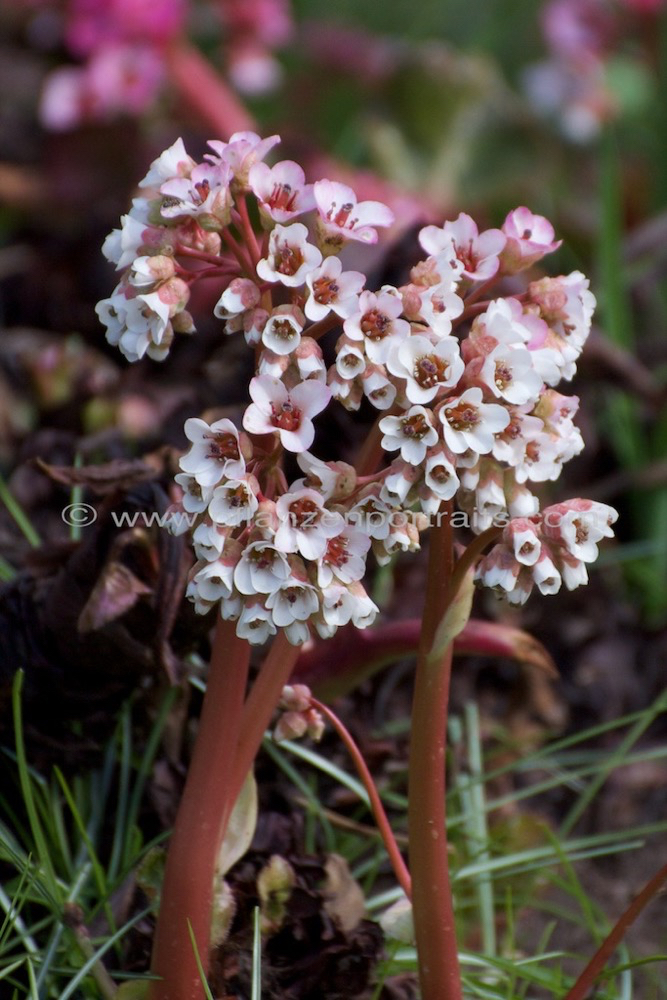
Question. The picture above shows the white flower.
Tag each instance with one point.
(522, 536)
(173, 162)
(439, 306)
(372, 515)
(282, 332)
(215, 453)
(376, 323)
(195, 496)
(324, 477)
(214, 580)
(289, 413)
(545, 574)
(255, 624)
(478, 252)
(413, 432)
(470, 423)
(344, 557)
(342, 217)
(398, 483)
(281, 190)
(377, 388)
(208, 540)
(290, 257)
(350, 358)
(440, 474)
(578, 525)
(261, 569)
(240, 295)
(305, 524)
(508, 372)
(122, 245)
(425, 366)
(332, 289)
(205, 193)
(294, 600)
(234, 502)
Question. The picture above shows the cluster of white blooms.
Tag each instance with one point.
(548, 549)
(473, 417)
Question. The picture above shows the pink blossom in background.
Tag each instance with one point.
(92, 25)
(122, 42)
(578, 28)
(254, 28)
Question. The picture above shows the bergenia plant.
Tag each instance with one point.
(468, 420)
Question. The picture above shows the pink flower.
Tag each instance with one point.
(478, 252)
(274, 409)
(529, 238)
(243, 150)
(281, 191)
(205, 193)
(342, 218)
(290, 257)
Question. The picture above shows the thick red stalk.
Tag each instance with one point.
(261, 704)
(383, 824)
(432, 907)
(206, 92)
(203, 813)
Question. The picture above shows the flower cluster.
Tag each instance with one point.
(464, 386)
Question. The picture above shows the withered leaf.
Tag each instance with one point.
(343, 897)
(119, 474)
(116, 591)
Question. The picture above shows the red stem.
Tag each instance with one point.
(338, 665)
(206, 92)
(248, 231)
(241, 254)
(432, 908)
(584, 984)
(383, 824)
(203, 813)
(261, 704)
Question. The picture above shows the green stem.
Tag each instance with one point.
(433, 911)
(383, 824)
(15, 510)
(208, 797)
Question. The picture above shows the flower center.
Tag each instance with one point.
(581, 531)
(415, 426)
(202, 189)
(288, 259)
(336, 554)
(282, 197)
(304, 513)
(503, 375)
(223, 447)
(284, 330)
(440, 474)
(325, 291)
(375, 325)
(462, 417)
(237, 497)
(287, 417)
(430, 370)
(340, 218)
(468, 257)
